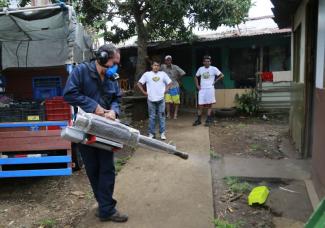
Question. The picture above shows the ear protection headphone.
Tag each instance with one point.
(102, 57)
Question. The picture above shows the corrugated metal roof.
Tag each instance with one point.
(283, 11)
(243, 33)
(261, 26)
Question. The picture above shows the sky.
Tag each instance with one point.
(261, 8)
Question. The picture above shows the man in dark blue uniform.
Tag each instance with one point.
(90, 89)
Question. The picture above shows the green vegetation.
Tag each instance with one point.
(254, 146)
(214, 155)
(156, 20)
(247, 103)
(3, 3)
(241, 125)
(90, 195)
(237, 186)
(219, 223)
(47, 223)
(119, 163)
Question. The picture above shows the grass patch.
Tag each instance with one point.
(241, 125)
(237, 186)
(89, 195)
(120, 162)
(47, 223)
(219, 223)
(214, 155)
(254, 146)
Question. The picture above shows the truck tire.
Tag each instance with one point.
(225, 112)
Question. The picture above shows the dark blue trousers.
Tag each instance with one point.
(99, 165)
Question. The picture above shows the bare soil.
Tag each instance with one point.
(288, 199)
(251, 137)
(44, 202)
(256, 138)
(49, 201)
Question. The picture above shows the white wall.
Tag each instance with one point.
(320, 67)
(300, 19)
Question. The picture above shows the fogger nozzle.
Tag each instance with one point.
(113, 132)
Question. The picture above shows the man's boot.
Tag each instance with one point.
(197, 121)
(116, 217)
(208, 121)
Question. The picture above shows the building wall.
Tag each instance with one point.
(297, 113)
(320, 46)
(300, 19)
(20, 83)
(189, 56)
(318, 148)
(318, 144)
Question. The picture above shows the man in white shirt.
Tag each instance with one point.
(209, 75)
(157, 83)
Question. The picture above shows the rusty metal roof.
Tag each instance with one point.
(261, 26)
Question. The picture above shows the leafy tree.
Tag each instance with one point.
(152, 20)
(3, 3)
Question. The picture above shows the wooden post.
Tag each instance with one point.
(261, 59)
(228, 83)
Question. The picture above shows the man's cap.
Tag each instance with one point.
(168, 57)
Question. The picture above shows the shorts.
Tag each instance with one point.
(207, 96)
(172, 99)
(172, 96)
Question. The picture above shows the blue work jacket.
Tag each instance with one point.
(85, 89)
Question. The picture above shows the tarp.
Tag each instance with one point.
(40, 38)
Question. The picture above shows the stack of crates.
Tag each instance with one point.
(57, 109)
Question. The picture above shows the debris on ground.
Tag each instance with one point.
(287, 205)
(251, 137)
(232, 206)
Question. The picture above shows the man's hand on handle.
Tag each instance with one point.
(100, 111)
(109, 114)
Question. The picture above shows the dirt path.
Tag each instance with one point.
(160, 190)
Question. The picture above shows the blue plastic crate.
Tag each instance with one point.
(42, 93)
(46, 87)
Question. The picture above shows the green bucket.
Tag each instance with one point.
(317, 219)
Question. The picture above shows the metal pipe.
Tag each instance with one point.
(116, 132)
(7, 11)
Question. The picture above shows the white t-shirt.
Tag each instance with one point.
(156, 84)
(207, 76)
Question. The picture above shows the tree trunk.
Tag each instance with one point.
(142, 45)
(142, 56)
